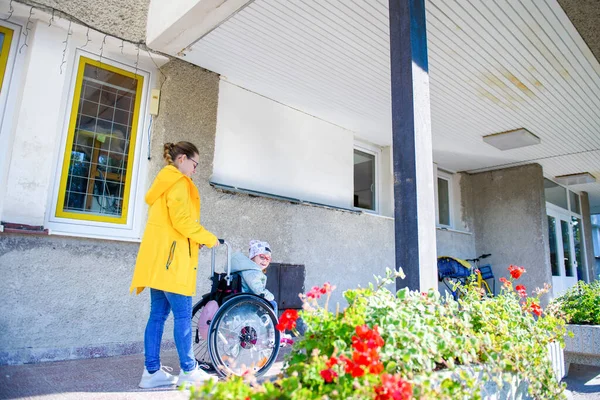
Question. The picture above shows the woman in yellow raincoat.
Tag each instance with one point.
(167, 262)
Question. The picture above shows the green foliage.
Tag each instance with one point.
(439, 347)
(581, 304)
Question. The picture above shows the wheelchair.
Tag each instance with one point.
(233, 333)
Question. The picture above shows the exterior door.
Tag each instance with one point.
(563, 258)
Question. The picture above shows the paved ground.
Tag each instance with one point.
(118, 377)
(583, 382)
(100, 378)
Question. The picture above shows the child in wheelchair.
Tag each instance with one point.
(252, 270)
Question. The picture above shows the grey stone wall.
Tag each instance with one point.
(508, 219)
(125, 19)
(455, 244)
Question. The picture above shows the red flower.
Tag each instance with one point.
(355, 370)
(376, 367)
(351, 367)
(393, 387)
(332, 361)
(521, 290)
(536, 309)
(515, 271)
(287, 320)
(363, 331)
(328, 375)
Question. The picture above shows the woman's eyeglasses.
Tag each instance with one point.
(195, 162)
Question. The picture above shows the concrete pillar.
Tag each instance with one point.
(509, 221)
(414, 211)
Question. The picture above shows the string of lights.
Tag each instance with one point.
(58, 13)
(26, 30)
(66, 42)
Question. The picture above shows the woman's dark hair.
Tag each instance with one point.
(172, 151)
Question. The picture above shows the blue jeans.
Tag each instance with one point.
(161, 303)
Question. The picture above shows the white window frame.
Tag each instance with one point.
(449, 177)
(12, 74)
(571, 214)
(375, 151)
(130, 231)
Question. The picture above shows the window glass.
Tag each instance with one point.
(555, 194)
(578, 244)
(364, 180)
(566, 239)
(553, 247)
(443, 201)
(574, 202)
(99, 156)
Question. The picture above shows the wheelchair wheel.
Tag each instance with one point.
(200, 344)
(243, 337)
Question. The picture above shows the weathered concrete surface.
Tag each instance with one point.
(583, 347)
(125, 19)
(508, 219)
(455, 244)
(585, 16)
(587, 234)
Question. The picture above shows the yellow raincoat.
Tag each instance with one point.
(168, 255)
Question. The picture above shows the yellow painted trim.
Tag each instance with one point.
(8, 34)
(83, 61)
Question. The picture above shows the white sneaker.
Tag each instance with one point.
(162, 377)
(194, 377)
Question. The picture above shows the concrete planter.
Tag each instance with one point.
(584, 346)
(557, 357)
(516, 388)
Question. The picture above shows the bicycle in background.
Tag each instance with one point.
(485, 273)
(455, 272)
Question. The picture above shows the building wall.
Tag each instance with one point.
(508, 219)
(67, 297)
(124, 19)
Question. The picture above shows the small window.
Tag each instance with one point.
(97, 169)
(364, 180)
(555, 194)
(6, 35)
(443, 194)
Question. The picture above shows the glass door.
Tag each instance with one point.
(565, 255)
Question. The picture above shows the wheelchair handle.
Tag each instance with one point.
(214, 257)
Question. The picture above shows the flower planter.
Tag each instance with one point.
(557, 357)
(584, 346)
(511, 389)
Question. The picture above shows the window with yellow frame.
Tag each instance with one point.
(95, 181)
(6, 35)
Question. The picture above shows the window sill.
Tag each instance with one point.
(112, 238)
(8, 227)
(249, 192)
(445, 228)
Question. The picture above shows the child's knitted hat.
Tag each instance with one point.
(257, 247)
